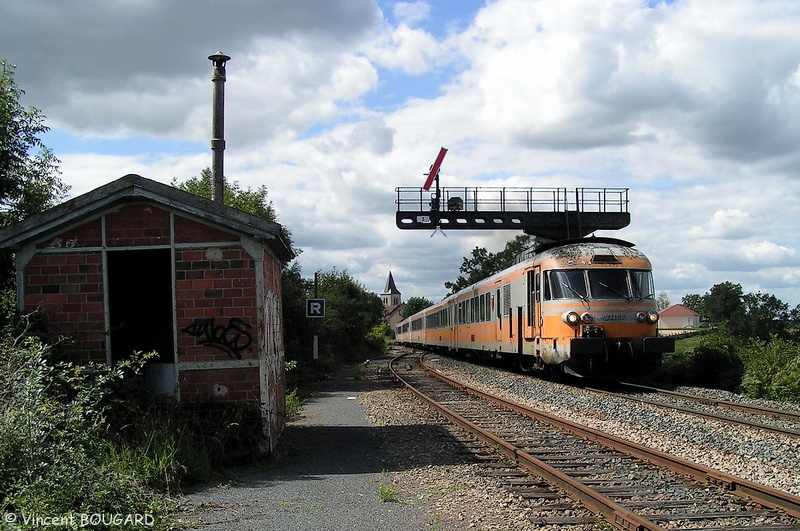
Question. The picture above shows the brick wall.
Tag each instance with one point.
(216, 304)
(87, 235)
(220, 385)
(69, 288)
(190, 231)
(136, 225)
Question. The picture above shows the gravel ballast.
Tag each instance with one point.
(756, 455)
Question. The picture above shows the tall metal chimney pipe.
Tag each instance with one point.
(218, 125)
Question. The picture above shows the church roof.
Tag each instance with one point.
(390, 287)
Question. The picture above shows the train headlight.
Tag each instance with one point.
(641, 317)
(652, 317)
(571, 318)
(586, 318)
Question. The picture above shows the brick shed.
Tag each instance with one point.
(137, 265)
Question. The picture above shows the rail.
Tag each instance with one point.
(619, 516)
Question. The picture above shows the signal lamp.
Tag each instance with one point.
(652, 317)
(586, 318)
(641, 317)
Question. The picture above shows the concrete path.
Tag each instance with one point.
(327, 476)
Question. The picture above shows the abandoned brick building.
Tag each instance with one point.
(137, 265)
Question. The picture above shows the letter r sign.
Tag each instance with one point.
(315, 308)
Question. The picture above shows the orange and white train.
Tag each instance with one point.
(584, 307)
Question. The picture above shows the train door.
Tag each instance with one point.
(451, 321)
(534, 307)
(497, 315)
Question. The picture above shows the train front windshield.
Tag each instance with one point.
(620, 284)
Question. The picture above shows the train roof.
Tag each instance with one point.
(598, 250)
(588, 244)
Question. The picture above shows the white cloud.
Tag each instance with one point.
(694, 105)
(411, 50)
(411, 13)
(732, 224)
(765, 254)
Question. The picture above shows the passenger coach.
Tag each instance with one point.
(585, 307)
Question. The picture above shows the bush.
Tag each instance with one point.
(377, 338)
(53, 450)
(713, 362)
(772, 370)
(91, 439)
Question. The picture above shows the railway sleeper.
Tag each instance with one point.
(543, 495)
(748, 528)
(567, 520)
(693, 517)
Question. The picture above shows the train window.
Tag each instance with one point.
(609, 284)
(507, 299)
(642, 285)
(567, 284)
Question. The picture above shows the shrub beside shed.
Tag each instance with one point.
(137, 265)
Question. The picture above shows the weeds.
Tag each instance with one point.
(89, 439)
(387, 492)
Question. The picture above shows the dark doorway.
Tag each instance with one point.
(140, 303)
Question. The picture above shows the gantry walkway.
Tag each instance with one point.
(552, 213)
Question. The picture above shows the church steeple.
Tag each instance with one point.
(391, 296)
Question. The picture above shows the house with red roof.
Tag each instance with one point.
(678, 316)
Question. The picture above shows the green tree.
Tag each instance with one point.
(723, 303)
(29, 175)
(694, 301)
(765, 316)
(252, 201)
(744, 315)
(351, 312)
(296, 327)
(30, 181)
(414, 305)
(663, 300)
(483, 264)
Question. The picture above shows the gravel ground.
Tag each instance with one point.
(454, 492)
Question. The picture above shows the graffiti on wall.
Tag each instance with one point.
(232, 338)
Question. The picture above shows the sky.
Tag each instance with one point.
(693, 105)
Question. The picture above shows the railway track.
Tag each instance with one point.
(786, 423)
(632, 487)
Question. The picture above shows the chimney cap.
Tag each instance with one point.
(219, 57)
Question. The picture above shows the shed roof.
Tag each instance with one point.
(133, 187)
(678, 310)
